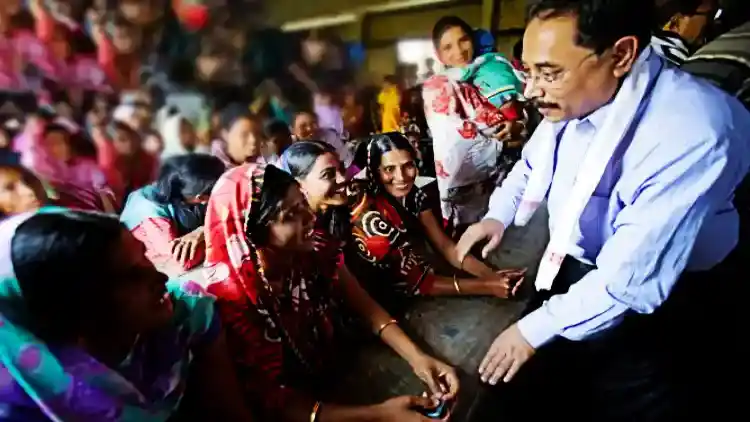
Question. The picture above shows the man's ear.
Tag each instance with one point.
(624, 53)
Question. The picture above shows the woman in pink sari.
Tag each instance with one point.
(77, 181)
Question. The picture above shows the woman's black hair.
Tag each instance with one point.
(182, 177)
(447, 22)
(299, 159)
(276, 184)
(382, 144)
(187, 176)
(63, 264)
(277, 128)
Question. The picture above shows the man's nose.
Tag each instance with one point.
(532, 89)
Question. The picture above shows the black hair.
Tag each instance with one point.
(63, 264)
(602, 22)
(55, 127)
(382, 144)
(186, 176)
(300, 157)
(232, 113)
(447, 22)
(276, 184)
(300, 113)
(277, 128)
(182, 177)
(518, 49)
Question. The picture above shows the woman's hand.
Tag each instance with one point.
(440, 377)
(508, 131)
(403, 409)
(184, 248)
(505, 283)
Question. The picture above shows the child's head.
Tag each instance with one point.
(56, 140)
(278, 137)
(125, 140)
(20, 191)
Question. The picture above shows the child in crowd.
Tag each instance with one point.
(491, 73)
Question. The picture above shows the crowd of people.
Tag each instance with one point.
(154, 269)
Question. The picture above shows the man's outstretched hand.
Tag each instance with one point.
(486, 229)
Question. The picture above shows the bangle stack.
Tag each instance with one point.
(385, 325)
(314, 413)
(455, 284)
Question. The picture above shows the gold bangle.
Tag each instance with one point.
(455, 284)
(314, 413)
(384, 326)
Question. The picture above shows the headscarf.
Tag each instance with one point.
(170, 133)
(302, 316)
(64, 383)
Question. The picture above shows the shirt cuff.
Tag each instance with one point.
(504, 215)
(538, 328)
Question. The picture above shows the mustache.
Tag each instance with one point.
(536, 103)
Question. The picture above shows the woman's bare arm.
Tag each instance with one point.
(447, 248)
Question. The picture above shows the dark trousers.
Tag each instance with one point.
(681, 362)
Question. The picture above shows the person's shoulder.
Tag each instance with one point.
(691, 107)
(194, 307)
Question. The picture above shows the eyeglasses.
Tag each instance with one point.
(552, 79)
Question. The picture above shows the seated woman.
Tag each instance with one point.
(56, 155)
(389, 214)
(167, 216)
(281, 303)
(241, 138)
(20, 191)
(114, 341)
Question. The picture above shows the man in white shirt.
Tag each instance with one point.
(638, 163)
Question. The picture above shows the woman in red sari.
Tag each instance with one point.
(281, 303)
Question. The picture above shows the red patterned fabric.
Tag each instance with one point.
(157, 235)
(461, 121)
(280, 337)
(381, 254)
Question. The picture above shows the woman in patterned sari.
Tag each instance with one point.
(468, 131)
(383, 222)
(281, 302)
(90, 331)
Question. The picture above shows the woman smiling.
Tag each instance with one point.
(282, 303)
(468, 130)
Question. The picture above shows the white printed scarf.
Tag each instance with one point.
(631, 98)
